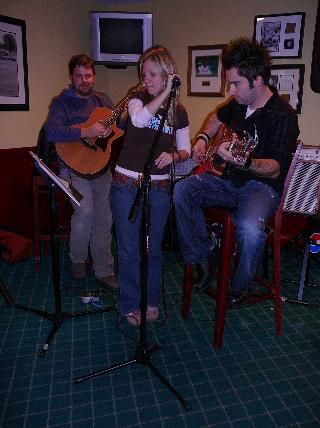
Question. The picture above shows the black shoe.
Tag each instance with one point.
(205, 272)
(236, 300)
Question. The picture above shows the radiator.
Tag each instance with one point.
(303, 191)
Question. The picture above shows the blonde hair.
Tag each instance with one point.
(164, 64)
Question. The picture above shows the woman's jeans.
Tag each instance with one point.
(129, 243)
(254, 203)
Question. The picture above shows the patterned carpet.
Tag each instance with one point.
(255, 380)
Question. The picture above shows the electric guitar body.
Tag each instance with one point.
(241, 147)
(212, 163)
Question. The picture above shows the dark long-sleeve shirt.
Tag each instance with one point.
(277, 129)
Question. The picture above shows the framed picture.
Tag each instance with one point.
(205, 73)
(14, 91)
(288, 79)
(282, 35)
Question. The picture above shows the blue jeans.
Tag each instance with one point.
(91, 222)
(254, 204)
(128, 240)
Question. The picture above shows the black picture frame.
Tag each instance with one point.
(205, 72)
(282, 34)
(14, 89)
(289, 79)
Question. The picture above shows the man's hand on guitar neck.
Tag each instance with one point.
(225, 152)
(97, 129)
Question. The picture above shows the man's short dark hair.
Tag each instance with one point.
(249, 57)
(81, 60)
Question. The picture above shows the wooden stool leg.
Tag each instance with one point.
(187, 290)
(277, 286)
(221, 309)
(223, 283)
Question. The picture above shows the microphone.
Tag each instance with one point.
(176, 82)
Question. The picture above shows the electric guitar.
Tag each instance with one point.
(240, 148)
(91, 154)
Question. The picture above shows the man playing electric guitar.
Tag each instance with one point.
(91, 222)
(252, 184)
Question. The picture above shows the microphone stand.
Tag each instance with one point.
(143, 350)
(304, 272)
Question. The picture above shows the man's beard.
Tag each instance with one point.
(85, 93)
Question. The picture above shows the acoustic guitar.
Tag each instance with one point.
(91, 154)
(240, 148)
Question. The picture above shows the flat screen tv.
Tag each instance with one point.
(119, 38)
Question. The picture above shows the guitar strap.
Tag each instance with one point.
(99, 99)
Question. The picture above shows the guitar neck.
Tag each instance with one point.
(120, 107)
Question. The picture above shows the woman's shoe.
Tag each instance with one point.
(152, 313)
(134, 318)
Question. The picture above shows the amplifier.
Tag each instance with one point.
(303, 191)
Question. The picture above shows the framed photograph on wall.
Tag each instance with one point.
(288, 79)
(282, 35)
(205, 74)
(14, 90)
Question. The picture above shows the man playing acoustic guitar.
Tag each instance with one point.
(250, 184)
(91, 223)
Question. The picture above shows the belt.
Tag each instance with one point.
(121, 178)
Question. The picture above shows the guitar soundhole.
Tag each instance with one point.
(102, 143)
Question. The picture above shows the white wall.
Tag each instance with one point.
(57, 29)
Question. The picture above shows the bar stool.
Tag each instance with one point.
(222, 216)
(220, 294)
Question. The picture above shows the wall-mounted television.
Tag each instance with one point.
(119, 38)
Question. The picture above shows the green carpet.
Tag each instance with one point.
(255, 380)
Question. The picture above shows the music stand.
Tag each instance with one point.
(143, 350)
(57, 317)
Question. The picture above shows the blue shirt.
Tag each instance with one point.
(69, 109)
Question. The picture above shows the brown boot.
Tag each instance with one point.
(109, 282)
(78, 270)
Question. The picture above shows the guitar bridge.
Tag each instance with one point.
(102, 143)
(88, 144)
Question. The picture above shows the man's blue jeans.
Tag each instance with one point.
(254, 204)
(129, 244)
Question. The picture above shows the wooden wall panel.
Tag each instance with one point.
(16, 207)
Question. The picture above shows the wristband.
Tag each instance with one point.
(247, 163)
(203, 136)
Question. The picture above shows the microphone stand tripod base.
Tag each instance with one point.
(5, 294)
(142, 356)
(298, 302)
